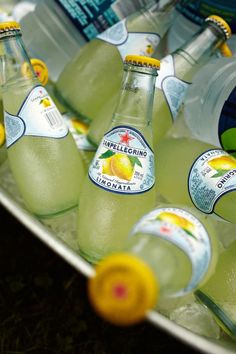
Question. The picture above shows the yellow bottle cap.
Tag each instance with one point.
(40, 69)
(123, 289)
(142, 61)
(219, 21)
(225, 50)
(8, 26)
(2, 134)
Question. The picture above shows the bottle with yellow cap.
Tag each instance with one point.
(209, 109)
(120, 184)
(190, 16)
(178, 69)
(175, 76)
(42, 153)
(169, 253)
(95, 73)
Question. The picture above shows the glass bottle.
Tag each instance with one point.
(120, 183)
(175, 76)
(42, 153)
(56, 30)
(209, 108)
(95, 73)
(170, 252)
(179, 68)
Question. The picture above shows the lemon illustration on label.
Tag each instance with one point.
(149, 49)
(119, 165)
(178, 220)
(122, 167)
(106, 166)
(45, 102)
(222, 164)
(80, 127)
(2, 134)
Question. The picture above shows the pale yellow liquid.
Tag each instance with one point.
(164, 258)
(162, 118)
(106, 218)
(171, 266)
(174, 159)
(48, 171)
(95, 74)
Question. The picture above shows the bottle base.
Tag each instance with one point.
(55, 214)
(79, 115)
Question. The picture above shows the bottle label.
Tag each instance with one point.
(38, 116)
(79, 132)
(173, 88)
(124, 162)
(212, 175)
(185, 231)
(139, 43)
(197, 11)
(227, 124)
(90, 17)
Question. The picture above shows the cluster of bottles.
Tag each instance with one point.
(144, 150)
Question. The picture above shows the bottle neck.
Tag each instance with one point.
(160, 13)
(14, 61)
(203, 44)
(136, 98)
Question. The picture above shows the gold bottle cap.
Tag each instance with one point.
(220, 22)
(141, 60)
(40, 69)
(123, 289)
(9, 26)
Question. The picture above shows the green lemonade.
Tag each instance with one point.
(180, 245)
(95, 74)
(48, 171)
(121, 183)
(176, 73)
(192, 172)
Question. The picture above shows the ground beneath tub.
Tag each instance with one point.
(44, 307)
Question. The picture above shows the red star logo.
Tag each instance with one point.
(165, 229)
(125, 138)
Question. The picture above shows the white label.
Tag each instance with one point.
(38, 116)
(79, 131)
(139, 43)
(211, 176)
(186, 232)
(174, 89)
(124, 162)
(166, 69)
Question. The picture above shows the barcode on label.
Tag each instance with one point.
(54, 118)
